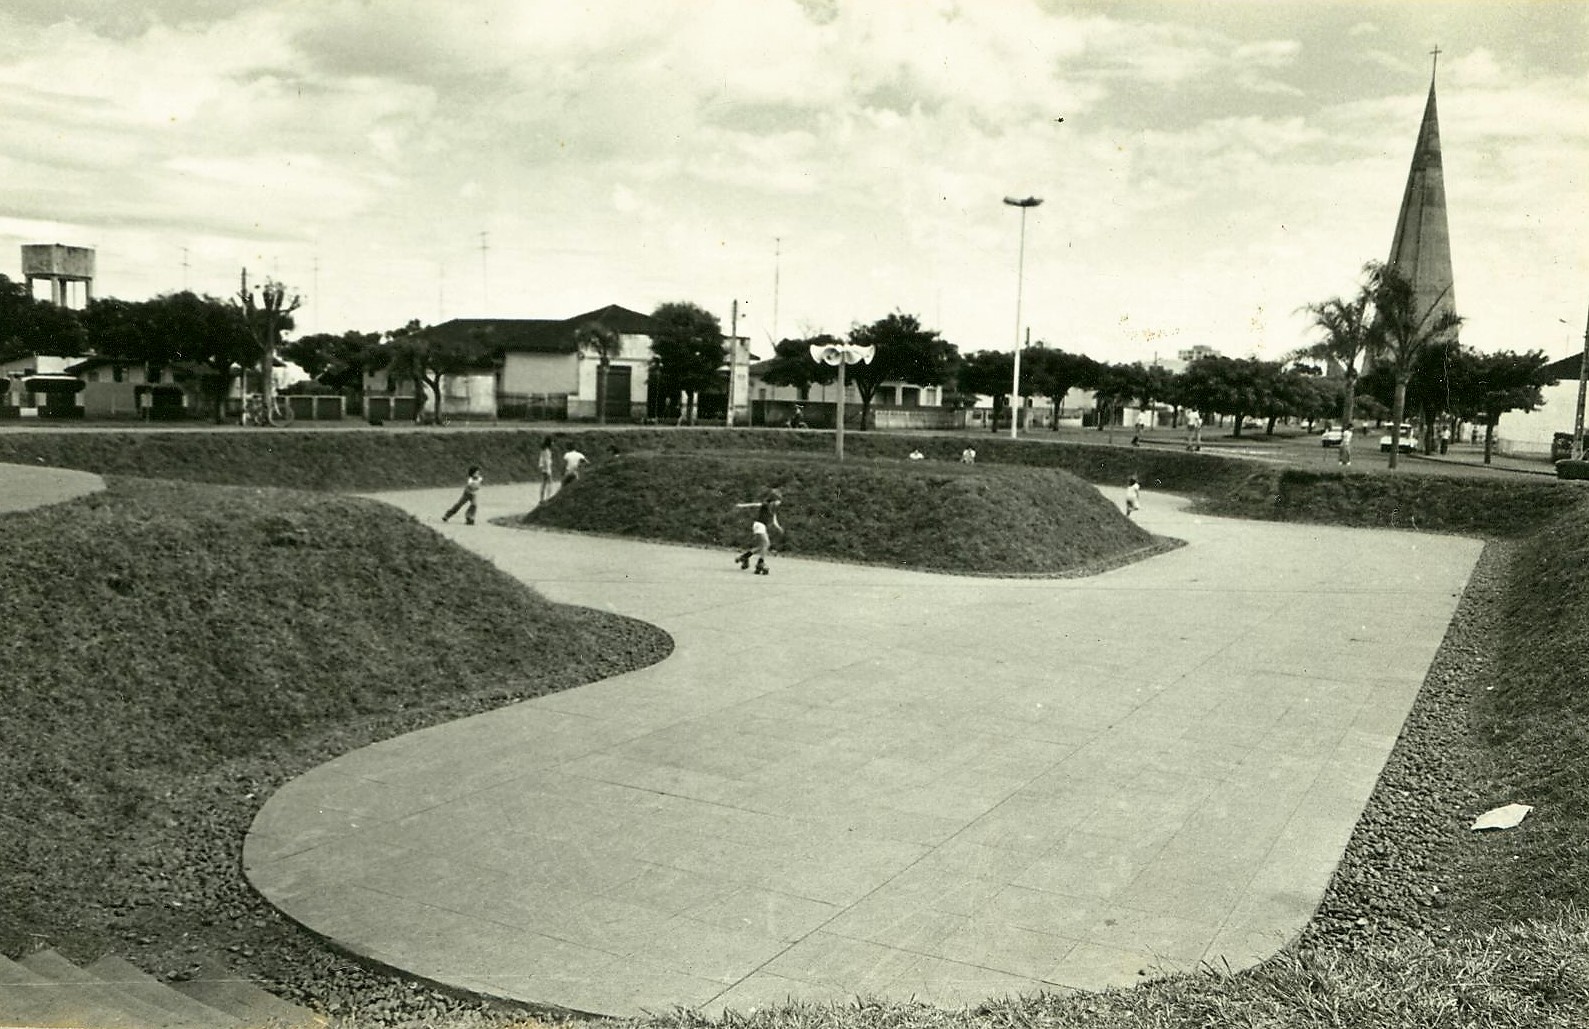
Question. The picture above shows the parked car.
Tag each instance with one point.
(1331, 438)
(1561, 446)
(1408, 441)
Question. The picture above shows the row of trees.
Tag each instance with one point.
(1390, 354)
(1385, 339)
(208, 342)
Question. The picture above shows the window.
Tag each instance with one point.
(117, 373)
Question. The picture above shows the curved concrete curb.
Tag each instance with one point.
(24, 487)
(855, 781)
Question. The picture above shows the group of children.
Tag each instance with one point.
(546, 465)
(761, 529)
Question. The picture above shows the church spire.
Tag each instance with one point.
(1421, 248)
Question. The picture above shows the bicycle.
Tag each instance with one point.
(255, 412)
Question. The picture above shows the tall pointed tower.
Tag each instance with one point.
(1421, 250)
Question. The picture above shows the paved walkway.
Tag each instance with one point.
(861, 782)
(23, 487)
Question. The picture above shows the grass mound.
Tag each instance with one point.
(1532, 722)
(1430, 503)
(930, 515)
(172, 652)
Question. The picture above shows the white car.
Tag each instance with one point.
(1408, 442)
(1331, 438)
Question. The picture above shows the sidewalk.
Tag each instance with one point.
(855, 781)
(23, 487)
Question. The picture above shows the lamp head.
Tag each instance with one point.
(1028, 202)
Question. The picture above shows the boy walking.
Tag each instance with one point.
(471, 492)
(572, 459)
(1133, 496)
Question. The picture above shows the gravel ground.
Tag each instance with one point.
(1400, 877)
(1397, 880)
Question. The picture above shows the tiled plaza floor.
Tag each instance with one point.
(854, 781)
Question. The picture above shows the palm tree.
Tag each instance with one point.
(1405, 330)
(596, 338)
(1348, 336)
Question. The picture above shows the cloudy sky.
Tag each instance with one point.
(825, 162)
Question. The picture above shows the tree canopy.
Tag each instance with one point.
(688, 349)
(29, 326)
(906, 352)
(791, 364)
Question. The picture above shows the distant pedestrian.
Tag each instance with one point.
(1133, 496)
(761, 530)
(1345, 453)
(470, 498)
(545, 464)
(968, 455)
(1194, 431)
(572, 460)
(1445, 438)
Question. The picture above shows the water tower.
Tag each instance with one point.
(61, 265)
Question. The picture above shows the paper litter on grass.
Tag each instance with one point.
(1502, 817)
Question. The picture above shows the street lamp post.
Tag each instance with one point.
(1020, 280)
(841, 354)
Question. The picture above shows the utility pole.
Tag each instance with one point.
(733, 360)
(184, 269)
(1583, 382)
(777, 267)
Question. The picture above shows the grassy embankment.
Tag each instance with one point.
(172, 652)
(982, 520)
(168, 741)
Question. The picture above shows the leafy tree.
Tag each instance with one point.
(268, 309)
(1054, 373)
(1113, 387)
(1348, 340)
(425, 357)
(906, 352)
(1285, 393)
(791, 364)
(687, 343)
(1405, 329)
(988, 373)
(1239, 387)
(29, 326)
(335, 361)
(116, 329)
(596, 338)
(1433, 386)
(1489, 385)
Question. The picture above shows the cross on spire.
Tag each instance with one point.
(1435, 53)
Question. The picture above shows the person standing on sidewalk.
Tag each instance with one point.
(1345, 453)
(544, 464)
(471, 493)
(761, 529)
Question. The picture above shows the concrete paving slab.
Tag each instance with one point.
(872, 782)
(24, 487)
